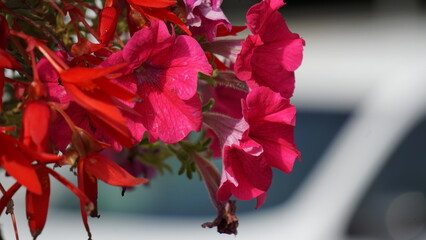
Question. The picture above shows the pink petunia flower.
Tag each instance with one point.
(270, 56)
(204, 16)
(252, 145)
(165, 69)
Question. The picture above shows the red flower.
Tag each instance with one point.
(245, 176)
(271, 120)
(95, 166)
(157, 10)
(93, 91)
(270, 56)
(262, 139)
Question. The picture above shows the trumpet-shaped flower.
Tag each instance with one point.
(270, 56)
(271, 119)
(165, 69)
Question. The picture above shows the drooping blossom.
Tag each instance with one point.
(271, 120)
(94, 167)
(165, 69)
(252, 145)
(244, 175)
(26, 160)
(270, 56)
(204, 17)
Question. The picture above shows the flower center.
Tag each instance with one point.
(148, 74)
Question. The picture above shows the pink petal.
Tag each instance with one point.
(166, 116)
(181, 71)
(147, 42)
(262, 104)
(277, 141)
(251, 174)
(228, 130)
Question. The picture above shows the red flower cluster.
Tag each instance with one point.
(144, 97)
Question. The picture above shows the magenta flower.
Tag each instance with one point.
(165, 69)
(271, 120)
(252, 145)
(270, 56)
(204, 16)
(245, 176)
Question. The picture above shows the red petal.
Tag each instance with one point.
(15, 164)
(163, 14)
(222, 31)
(152, 4)
(90, 188)
(102, 107)
(36, 125)
(37, 205)
(7, 61)
(115, 90)
(82, 75)
(89, 185)
(107, 24)
(110, 172)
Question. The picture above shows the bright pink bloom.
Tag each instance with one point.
(245, 176)
(262, 139)
(204, 17)
(270, 56)
(165, 69)
(271, 119)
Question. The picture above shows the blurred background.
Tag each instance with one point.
(361, 129)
